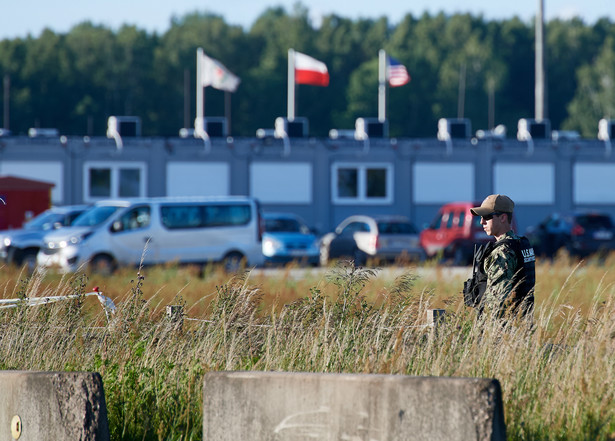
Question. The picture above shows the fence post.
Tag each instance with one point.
(435, 317)
(175, 314)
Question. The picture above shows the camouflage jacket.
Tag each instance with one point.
(500, 267)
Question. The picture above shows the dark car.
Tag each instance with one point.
(360, 238)
(579, 233)
(20, 246)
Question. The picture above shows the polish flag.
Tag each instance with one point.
(310, 71)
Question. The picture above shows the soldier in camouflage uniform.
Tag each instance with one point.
(504, 275)
(500, 267)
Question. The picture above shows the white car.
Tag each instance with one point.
(360, 238)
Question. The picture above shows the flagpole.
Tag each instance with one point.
(382, 88)
(227, 110)
(199, 125)
(291, 85)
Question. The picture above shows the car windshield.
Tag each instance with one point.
(44, 221)
(94, 216)
(594, 221)
(284, 226)
(396, 228)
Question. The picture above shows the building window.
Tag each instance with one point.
(130, 181)
(113, 180)
(347, 182)
(362, 183)
(100, 182)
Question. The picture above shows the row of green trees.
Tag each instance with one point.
(74, 81)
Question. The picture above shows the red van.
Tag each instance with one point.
(454, 232)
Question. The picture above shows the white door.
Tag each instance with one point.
(132, 239)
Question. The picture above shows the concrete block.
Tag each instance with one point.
(279, 406)
(59, 406)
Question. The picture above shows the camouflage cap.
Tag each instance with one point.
(495, 203)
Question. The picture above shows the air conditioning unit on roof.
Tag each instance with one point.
(454, 128)
(606, 129)
(371, 128)
(535, 129)
(37, 132)
(297, 128)
(216, 126)
(125, 126)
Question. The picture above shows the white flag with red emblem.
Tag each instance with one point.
(214, 74)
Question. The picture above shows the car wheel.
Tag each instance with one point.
(233, 262)
(103, 265)
(324, 255)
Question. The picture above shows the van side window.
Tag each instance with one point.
(181, 216)
(226, 215)
(137, 218)
(200, 216)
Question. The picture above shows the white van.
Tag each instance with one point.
(159, 230)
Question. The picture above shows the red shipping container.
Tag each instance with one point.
(22, 199)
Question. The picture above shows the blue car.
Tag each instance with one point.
(288, 239)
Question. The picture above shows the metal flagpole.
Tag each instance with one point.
(199, 126)
(227, 110)
(540, 102)
(291, 85)
(382, 86)
(186, 98)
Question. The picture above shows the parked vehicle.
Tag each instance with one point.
(454, 232)
(159, 230)
(580, 233)
(20, 246)
(287, 238)
(361, 238)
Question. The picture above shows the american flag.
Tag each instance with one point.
(396, 73)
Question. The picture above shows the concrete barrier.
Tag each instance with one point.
(59, 406)
(272, 406)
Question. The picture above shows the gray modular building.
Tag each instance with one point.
(324, 180)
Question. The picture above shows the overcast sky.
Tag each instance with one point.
(18, 18)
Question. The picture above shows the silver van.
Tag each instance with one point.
(159, 230)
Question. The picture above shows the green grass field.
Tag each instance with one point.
(557, 376)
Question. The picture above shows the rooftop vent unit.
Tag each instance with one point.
(342, 134)
(124, 126)
(216, 126)
(454, 128)
(297, 128)
(371, 128)
(606, 129)
(42, 133)
(528, 128)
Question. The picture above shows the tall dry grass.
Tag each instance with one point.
(556, 375)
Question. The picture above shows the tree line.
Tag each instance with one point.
(459, 64)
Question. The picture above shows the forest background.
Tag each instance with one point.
(75, 81)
